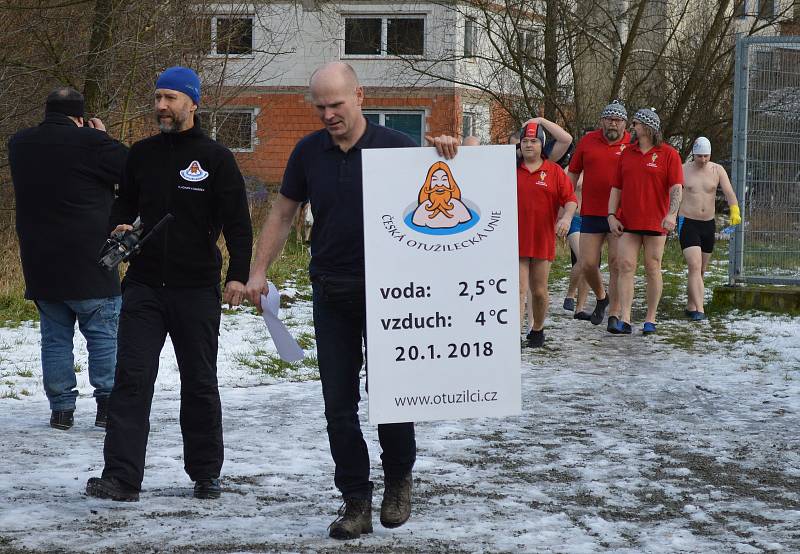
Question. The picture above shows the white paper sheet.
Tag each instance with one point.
(287, 347)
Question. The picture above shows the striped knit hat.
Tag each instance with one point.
(615, 109)
(649, 117)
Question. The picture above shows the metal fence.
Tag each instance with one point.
(766, 161)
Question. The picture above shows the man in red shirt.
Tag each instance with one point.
(648, 187)
(596, 159)
(542, 188)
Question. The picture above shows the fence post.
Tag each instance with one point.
(736, 245)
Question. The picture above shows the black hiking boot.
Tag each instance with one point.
(207, 489)
(112, 488)
(62, 419)
(101, 419)
(355, 518)
(396, 505)
(599, 312)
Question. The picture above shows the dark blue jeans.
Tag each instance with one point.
(340, 326)
(97, 319)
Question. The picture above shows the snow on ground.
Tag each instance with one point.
(683, 442)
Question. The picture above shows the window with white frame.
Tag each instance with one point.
(232, 128)
(467, 124)
(409, 122)
(526, 47)
(762, 9)
(766, 9)
(231, 35)
(470, 38)
(376, 35)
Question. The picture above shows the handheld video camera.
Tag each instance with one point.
(121, 246)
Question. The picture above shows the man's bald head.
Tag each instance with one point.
(337, 97)
(334, 73)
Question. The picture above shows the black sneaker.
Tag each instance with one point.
(207, 489)
(101, 419)
(62, 419)
(396, 504)
(583, 316)
(599, 312)
(612, 324)
(688, 313)
(569, 304)
(112, 488)
(355, 518)
(535, 339)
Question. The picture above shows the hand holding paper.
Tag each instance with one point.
(287, 347)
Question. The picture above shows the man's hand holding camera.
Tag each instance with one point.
(94, 123)
(120, 229)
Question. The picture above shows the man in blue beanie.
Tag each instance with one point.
(173, 288)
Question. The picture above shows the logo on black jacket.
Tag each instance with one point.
(194, 172)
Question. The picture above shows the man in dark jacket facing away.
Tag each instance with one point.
(172, 287)
(64, 172)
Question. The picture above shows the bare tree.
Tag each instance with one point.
(568, 59)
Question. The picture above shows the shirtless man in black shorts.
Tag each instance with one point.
(697, 227)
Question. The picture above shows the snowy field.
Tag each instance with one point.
(683, 442)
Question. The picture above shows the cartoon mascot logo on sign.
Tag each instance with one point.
(440, 205)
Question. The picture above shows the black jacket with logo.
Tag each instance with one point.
(64, 178)
(197, 180)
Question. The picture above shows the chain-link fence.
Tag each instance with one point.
(766, 161)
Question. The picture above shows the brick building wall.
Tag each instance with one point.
(286, 116)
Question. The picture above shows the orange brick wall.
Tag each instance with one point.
(285, 117)
(502, 124)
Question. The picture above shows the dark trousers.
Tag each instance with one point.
(191, 316)
(339, 323)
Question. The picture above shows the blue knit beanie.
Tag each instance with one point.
(181, 79)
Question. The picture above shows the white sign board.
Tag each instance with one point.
(442, 283)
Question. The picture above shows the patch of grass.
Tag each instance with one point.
(306, 340)
(25, 392)
(78, 367)
(14, 309)
(246, 361)
(25, 373)
(273, 365)
(292, 265)
(10, 394)
(694, 337)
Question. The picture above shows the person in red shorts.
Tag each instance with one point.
(648, 187)
(542, 189)
(596, 158)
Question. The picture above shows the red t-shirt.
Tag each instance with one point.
(539, 196)
(645, 180)
(598, 160)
